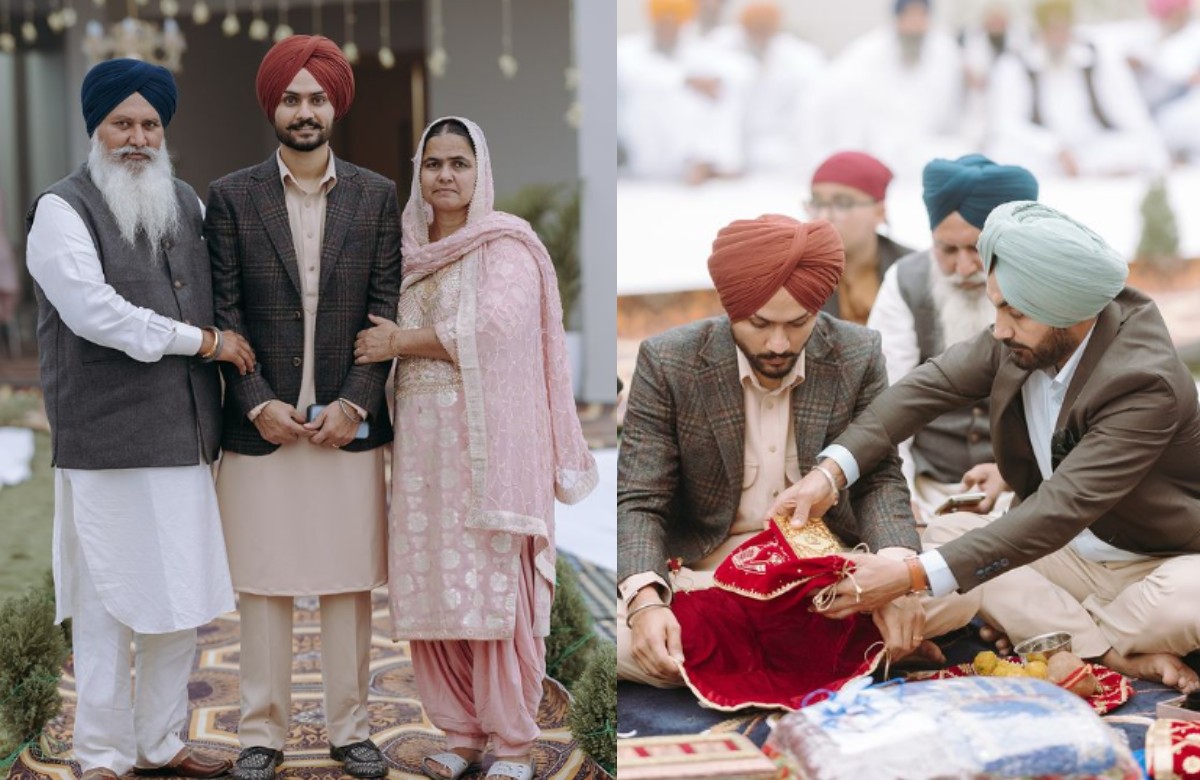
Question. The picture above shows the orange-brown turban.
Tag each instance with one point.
(679, 10)
(761, 15)
(323, 59)
(753, 258)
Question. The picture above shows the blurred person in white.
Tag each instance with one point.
(680, 97)
(1165, 56)
(999, 32)
(849, 189)
(10, 283)
(779, 94)
(1069, 107)
(907, 87)
(930, 301)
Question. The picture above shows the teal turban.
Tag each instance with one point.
(1048, 266)
(973, 186)
(108, 84)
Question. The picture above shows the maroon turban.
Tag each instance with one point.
(323, 59)
(855, 169)
(753, 258)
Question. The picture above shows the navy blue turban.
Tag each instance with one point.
(109, 83)
(973, 186)
(902, 4)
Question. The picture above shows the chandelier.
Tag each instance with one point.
(138, 39)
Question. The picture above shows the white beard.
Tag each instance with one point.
(961, 312)
(140, 194)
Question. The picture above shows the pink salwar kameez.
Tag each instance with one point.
(484, 444)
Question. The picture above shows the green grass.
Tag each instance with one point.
(27, 524)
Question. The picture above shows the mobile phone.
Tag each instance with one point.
(316, 409)
(960, 501)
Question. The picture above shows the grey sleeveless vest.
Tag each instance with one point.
(949, 446)
(107, 410)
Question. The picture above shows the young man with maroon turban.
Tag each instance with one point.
(849, 189)
(126, 344)
(726, 413)
(304, 247)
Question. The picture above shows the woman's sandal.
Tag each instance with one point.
(512, 770)
(457, 765)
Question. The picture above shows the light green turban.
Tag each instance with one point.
(1048, 266)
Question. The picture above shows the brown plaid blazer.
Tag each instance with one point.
(679, 473)
(1124, 454)
(256, 291)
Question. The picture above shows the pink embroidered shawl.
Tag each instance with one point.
(507, 367)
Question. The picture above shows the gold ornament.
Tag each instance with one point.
(230, 25)
(350, 49)
(259, 29)
(387, 59)
(508, 65)
(283, 32)
(437, 62)
(201, 13)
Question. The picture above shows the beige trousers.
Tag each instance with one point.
(942, 615)
(1133, 607)
(266, 667)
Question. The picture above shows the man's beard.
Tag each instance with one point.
(139, 193)
(285, 135)
(962, 311)
(762, 368)
(1053, 350)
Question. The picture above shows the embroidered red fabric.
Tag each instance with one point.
(752, 640)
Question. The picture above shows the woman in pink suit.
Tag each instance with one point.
(486, 438)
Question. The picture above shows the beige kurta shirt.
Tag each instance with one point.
(305, 520)
(770, 465)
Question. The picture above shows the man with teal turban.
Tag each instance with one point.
(1096, 428)
(127, 348)
(935, 298)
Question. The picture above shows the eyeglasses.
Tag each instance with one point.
(838, 206)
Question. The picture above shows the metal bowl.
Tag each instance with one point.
(1046, 644)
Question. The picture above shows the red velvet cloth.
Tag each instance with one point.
(752, 641)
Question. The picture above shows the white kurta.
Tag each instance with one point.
(1169, 63)
(904, 114)
(1132, 145)
(663, 124)
(150, 538)
(778, 103)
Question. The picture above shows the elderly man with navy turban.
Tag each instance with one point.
(127, 348)
(1095, 426)
(933, 299)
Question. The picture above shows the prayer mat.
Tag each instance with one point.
(398, 724)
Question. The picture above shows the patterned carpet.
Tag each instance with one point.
(398, 724)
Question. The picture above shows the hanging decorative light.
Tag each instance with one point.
(54, 19)
(437, 55)
(508, 63)
(8, 41)
(29, 32)
(387, 58)
(259, 29)
(69, 16)
(350, 48)
(169, 8)
(137, 38)
(230, 26)
(574, 114)
(283, 29)
(316, 18)
(201, 13)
